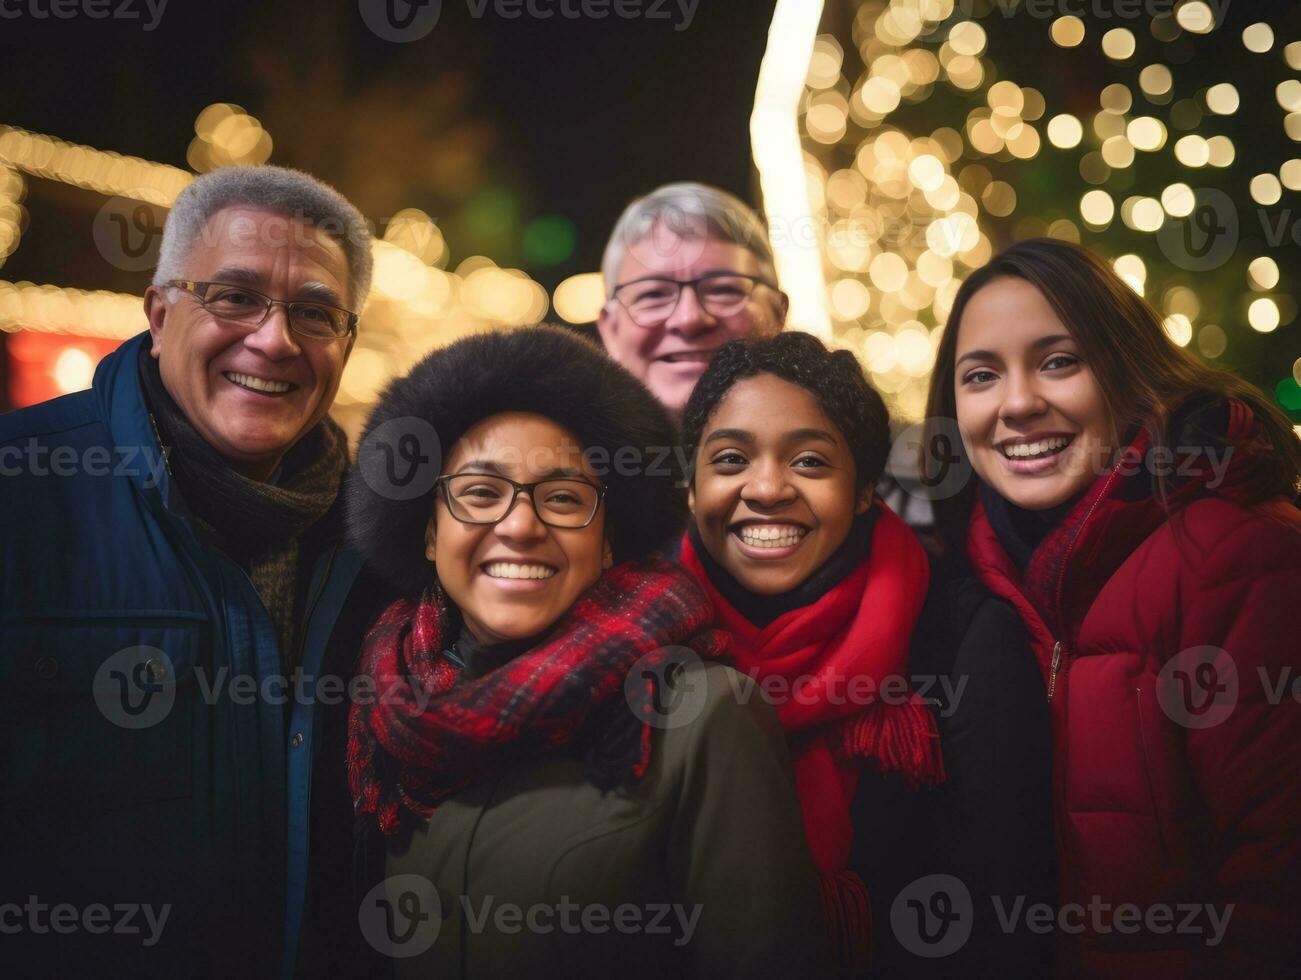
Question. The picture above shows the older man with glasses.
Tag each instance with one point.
(687, 268)
(170, 620)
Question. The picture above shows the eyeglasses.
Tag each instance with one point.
(652, 300)
(248, 307)
(480, 498)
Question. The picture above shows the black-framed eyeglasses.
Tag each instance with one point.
(652, 299)
(484, 498)
(248, 307)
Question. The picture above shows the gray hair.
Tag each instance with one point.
(677, 205)
(289, 192)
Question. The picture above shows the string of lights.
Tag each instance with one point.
(907, 206)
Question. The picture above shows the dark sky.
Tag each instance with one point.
(588, 112)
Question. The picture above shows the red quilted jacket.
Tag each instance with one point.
(1170, 645)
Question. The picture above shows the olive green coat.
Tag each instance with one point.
(699, 868)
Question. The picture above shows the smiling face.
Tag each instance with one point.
(516, 578)
(252, 395)
(1032, 415)
(773, 495)
(670, 358)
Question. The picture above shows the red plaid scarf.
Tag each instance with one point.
(424, 736)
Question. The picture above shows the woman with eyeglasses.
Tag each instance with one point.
(566, 780)
(1139, 509)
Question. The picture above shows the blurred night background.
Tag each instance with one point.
(893, 146)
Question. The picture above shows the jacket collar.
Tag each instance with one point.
(1071, 565)
(122, 405)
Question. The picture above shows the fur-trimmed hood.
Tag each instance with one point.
(543, 369)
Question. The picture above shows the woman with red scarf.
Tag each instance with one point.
(823, 589)
(1138, 509)
(565, 780)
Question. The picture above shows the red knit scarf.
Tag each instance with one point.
(424, 736)
(833, 657)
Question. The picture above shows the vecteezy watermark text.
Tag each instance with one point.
(589, 10)
(932, 917)
(1125, 918)
(402, 916)
(404, 21)
(33, 458)
(90, 9)
(64, 918)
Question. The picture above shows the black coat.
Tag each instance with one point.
(989, 825)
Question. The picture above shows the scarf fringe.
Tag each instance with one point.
(897, 738)
(847, 910)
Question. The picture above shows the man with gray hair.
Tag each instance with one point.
(688, 267)
(175, 595)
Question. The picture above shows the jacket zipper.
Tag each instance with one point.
(1052, 672)
(1059, 652)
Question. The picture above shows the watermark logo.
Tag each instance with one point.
(400, 21)
(135, 688)
(659, 693)
(401, 916)
(400, 459)
(1207, 237)
(932, 917)
(678, 232)
(930, 453)
(1198, 687)
(127, 231)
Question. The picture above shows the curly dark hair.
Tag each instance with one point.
(545, 370)
(833, 377)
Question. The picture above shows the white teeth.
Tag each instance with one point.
(509, 569)
(1041, 448)
(258, 384)
(772, 535)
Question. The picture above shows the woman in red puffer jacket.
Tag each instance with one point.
(1138, 509)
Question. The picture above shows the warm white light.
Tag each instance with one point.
(1193, 151)
(1289, 95)
(1118, 43)
(1258, 38)
(1263, 315)
(1290, 174)
(579, 298)
(1263, 273)
(1147, 133)
(1067, 32)
(73, 370)
(779, 159)
(1065, 131)
(1178, 200)
(1097, 208)
(1133, 271)
(1195, 17)
(1266, 189)
(1222, 99)
(1179, 329)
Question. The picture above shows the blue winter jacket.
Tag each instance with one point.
(150, 755)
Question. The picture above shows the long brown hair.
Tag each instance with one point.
(1143, 374)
